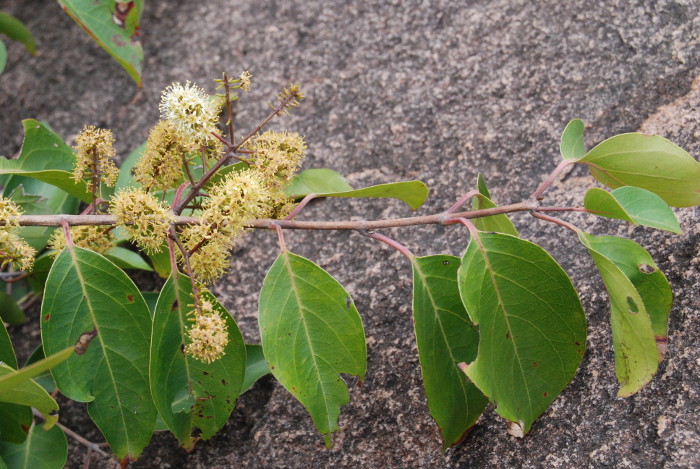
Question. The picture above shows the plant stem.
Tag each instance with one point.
(389, 242)
(83, 441)
(435, 219)
(557, 221)
(550, 179)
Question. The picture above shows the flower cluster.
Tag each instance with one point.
(13, 249)
(160, 167)
(238, 199)
(145, 219)
(208, 336)
(192, 112)
(94, 158)
(95, 238)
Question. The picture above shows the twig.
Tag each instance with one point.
(300, 206)
(389, 242)
(83, 441)
(550, 179)
(438, 218)
(558, 221)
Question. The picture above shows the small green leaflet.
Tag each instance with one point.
(328, 183)
(310, 333)
(532, 327)
(498, 223)
(647, 161)
(632, 204)
(445, 337)
(639, 303)
(45, 449)
(85, 293)
(256, 366)
(188, 393)
(114, 26)
(572, 146)
(28, 393)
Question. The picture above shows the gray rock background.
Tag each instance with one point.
(434, 90)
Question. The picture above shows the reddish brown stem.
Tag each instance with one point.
(550, 179)
(557, 221)
(390, 242)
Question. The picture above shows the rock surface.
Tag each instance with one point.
(435, 90)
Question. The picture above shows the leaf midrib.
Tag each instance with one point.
(102, 345)
(293, 286)
(442, 329)
(505, 316)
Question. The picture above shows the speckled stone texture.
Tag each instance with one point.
(435, 90)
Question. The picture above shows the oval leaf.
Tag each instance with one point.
(86, 293)
(328, 183)
(114, 26)
(650, 162)
(9, 311)
(632, 204)
(11, 381)
(571, 146)
(45, 449)
(636, 352)
(532, 327)
(497, 223)
(310, 333)
(445, 337)
(187, 392)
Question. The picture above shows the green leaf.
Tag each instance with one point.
(15, 420)
(650, 162)
(61, 179)
(44, 379)
(127, 259)
(16, 30)
(328, 183)
(151, 298)
(28, 393)
(256, 367)
(85, 293)
(117, 32)
(532, 327)
(161, 262)
(45, 449)
(572, 146)
(310, 333)
(639, 303)
(42, 150)
(632, 204)
(187, 392)
(13, 380)
(497, 223)
(3, 57)
(445, 337)
(9, 311)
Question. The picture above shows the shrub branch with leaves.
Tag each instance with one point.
(501, 324)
